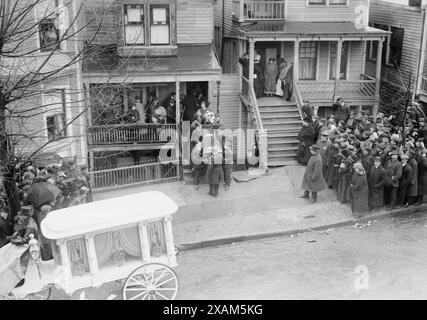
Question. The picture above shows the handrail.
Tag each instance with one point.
(253, 99)
(367, 77)
(298, 100)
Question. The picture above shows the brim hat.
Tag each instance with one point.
(314, 148)
(404, 157)
(394, 153)
(346, 153)
(325, 133)
(377, 159)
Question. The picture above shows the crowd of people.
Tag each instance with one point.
(272, 78)
(370, 162)
(39, 190)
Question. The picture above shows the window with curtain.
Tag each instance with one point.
(48, 34)
(337, 2)
(134, 24)
(159, 24)
(307, 60)
(316, 2)
(333, 60)
(55, 104)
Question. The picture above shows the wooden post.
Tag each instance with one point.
(169, 241)
(144, 242)
(378, 70)
(338, 67)
(65, 259)
(296, 60)
(91, 253)
(177, 104)
(218, 86)
(242, 11)
(251, 60)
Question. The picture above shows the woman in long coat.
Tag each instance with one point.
(360, 191)
(289, 83)
(422, 176)
(306, 140)
(344, 177)
(258, 78)
(270, 75)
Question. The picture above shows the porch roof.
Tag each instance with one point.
(192, 63)
(284, 29)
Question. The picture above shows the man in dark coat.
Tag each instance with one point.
(405, 181)
(359, 191)
(393, 175)
(413, 187)
(376, 181)
(317, 125)
(306, 139)
(422, 176)
(258, 78)
(344, 177)
(342, 110)
(307, 111)
(313, 180)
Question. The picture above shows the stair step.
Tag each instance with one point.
(282, 140)
(279, 108)
(284, 120)
(282, 133)
(282, 148)
(282, 153)
(282, 163)
(281, 126)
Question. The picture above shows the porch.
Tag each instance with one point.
(253, 10)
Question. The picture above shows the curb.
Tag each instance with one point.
(273, 234)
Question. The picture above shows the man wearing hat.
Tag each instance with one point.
(342, 111)
(313, 180)
(376, 181)
(258, 77)
(413, 187)
(405, 181)
(393, 174)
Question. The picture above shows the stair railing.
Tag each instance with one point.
(248, 92)
(298, 100)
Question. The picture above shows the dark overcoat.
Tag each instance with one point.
(214, 173)
(306, 139)
(344, 178)
(313, 180)
(422, 176)
(393, 172)
(407, 176)
(413, 187)
(360, 194)
(333, 160)
(376, 186)
(259, 80)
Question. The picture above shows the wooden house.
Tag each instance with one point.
(145, 48)
(315, 36)
(403, 61)
(42, 123)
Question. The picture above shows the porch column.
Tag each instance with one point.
(338, 67)
(218, 87)
(251, 60)
(296, 60)
(242, 11)
(177, 104)
(378, 77)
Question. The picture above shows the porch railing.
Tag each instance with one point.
(298, 99)
(139, 174)
(363, 89)
(259, 10)
(248, 93)
(131, 133)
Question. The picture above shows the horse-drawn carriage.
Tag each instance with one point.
(128, 238)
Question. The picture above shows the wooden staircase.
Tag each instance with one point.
(282, 121)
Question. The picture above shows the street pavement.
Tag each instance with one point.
(267, 206)
(381, 259)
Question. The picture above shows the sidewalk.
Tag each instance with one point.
(265, 207)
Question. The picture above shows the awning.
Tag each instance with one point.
(192, 63)
(271, 29)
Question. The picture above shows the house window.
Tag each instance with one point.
(159, 24)
(134, 24)
(55, 104)
(307, 60)
(48, 34)
(333, 60)
(392, 46)
(316, 2)
(337, 2)
(395, 46)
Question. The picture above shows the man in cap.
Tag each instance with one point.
(376, 181)
(313, 180)
(393, 175)
(322, 144)
(405, 181)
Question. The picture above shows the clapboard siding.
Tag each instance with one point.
(408, 18)
(297, 10)
(229, 105)
(195, 21)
